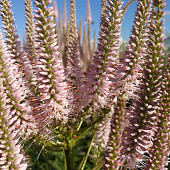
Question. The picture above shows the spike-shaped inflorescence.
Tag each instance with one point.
(30, 30)
(115, 136)
(106, 55)
(14, 46)
(30, 39)
(45, 98)
(15, 118)
(64, 17)
(59, 35)
(88, 13)
(73, 70)
(159, 159)
(160, 150)
(51, 77)
(98, 83)
(66, 42)
(80, 39)
(102, 134)
(55, 11)
(143, 118)
(126, 6)
(89, 20)
(129, 70)
(20, 109)
(85, 52)
(10, 150)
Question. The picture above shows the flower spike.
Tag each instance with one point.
(14, 46)
(73, 70)
(19, 107)
(10, 150)
(115, 136)
(143, 117)
(88, 14)
(64, 16)
(128, 72)
(55, 10)
(159, 151)
(106, 55)
(51, 73)
(30, 40)
(65, 54)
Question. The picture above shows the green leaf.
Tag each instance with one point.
(48, 144)
(83, 162)
(82, 132)
(97, 167)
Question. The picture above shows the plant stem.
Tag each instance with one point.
(84, 160)
(79, 125)
(69, 153)
(98, 155)
(65, 161)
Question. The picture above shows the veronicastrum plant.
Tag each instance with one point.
(46, 99)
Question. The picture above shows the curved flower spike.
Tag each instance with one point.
(19, 57)
(10, 150)
(128, 72)
(143, 120)
(16, 118)
(15, 96)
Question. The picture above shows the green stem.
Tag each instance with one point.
(82, 118)
(98, 155)
(99, 166)
(69, 153)
(65, 161)
(79, 125)
(84, 160)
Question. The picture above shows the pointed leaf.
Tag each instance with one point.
(82, 132)
(83, 162)
(97, 167)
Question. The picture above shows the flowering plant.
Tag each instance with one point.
(48, 102)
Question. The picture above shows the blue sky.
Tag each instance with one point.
(19, 15)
